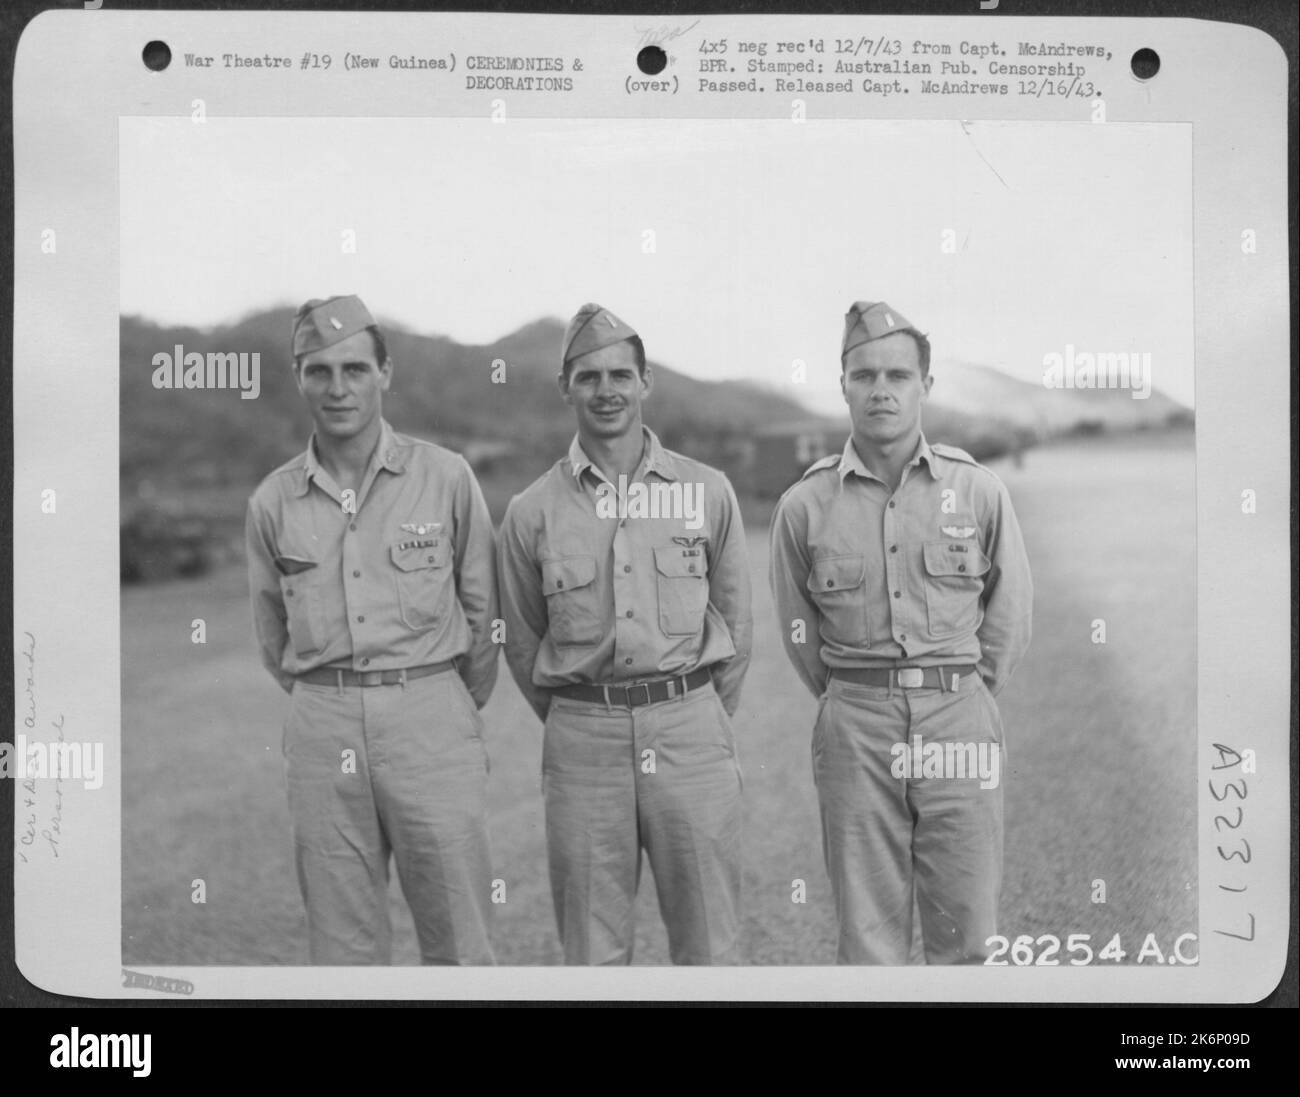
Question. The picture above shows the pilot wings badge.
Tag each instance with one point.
(420, 528)
(689, 542)
(958, 531)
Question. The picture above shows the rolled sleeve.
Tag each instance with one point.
(797, 616)
(1008, 596)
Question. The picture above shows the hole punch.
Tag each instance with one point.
(1145, 63)
(652, 60)
(157, 56)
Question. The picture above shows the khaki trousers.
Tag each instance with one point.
(899, 825)
(663, 778)
(390, 770)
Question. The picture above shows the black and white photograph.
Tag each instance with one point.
(523, 526)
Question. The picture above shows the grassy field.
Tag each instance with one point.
(1099, 784)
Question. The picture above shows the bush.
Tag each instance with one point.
(157, 543)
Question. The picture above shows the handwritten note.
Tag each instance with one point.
(657, 36)
(40, 804)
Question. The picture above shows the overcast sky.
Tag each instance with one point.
(763, 232)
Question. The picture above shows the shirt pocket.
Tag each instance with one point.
(683, 582)
(304, 611)
(422, 573)
(837, 584)
(572, 613)
(954, 581)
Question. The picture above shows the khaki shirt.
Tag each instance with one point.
(598, 600)
(933, 574)
(369, 590)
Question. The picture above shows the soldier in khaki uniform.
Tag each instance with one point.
(628, 631)
(904, 598)
(370, 563)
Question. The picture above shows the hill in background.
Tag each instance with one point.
(441, 390)
(983, 391)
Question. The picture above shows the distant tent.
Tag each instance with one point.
(783, 451)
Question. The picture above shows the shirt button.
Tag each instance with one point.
(352, 525)
(891, 503)
(365, 662)
(902, 636)
(627, 567)
(893, 548)
(628, 613)
(361, 619)
(356, 574)
(691, 569)
(559, 584)
(830, 583)
(898, 594)
(628, 661)
(961, 567)
(289, 593)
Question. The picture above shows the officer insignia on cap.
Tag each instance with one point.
(868, 320)
(958, 531)
(593, 327)
(322, 322)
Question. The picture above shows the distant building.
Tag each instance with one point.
(783, 452)
(487, 455)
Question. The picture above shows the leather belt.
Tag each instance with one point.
(637, 693)
(341, 676)
(904, 677)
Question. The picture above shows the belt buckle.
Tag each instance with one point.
(638, 685)
(370, 678)
(911, 677)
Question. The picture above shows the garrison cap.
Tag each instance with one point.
(322, 323)
(869, 320)
(593, 328)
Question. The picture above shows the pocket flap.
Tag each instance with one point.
(954, 558)
(837, 573)
(423, 552)
(567, 573)
(681, 563)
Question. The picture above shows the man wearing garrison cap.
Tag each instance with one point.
(370, 561)
(626, 596)
(903, 597)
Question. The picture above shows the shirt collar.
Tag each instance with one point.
(654, 459)
(851, 461)
(387, 455)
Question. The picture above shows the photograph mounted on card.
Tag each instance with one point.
(751, 493)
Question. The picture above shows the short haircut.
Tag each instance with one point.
(638, 349)
(922, 350)
(381, 346)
